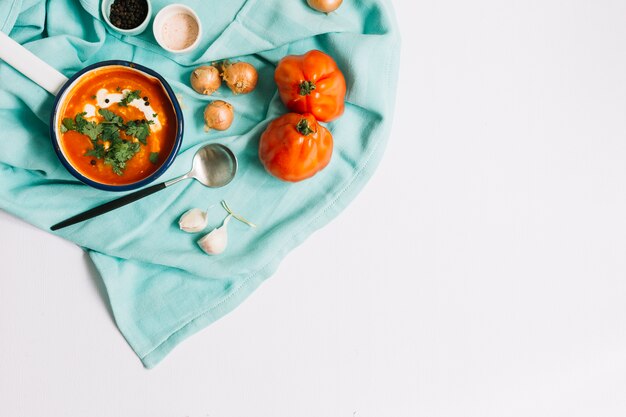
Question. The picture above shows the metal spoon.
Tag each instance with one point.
(214, 166)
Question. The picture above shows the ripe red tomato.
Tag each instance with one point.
(312, 83)
(295, 147)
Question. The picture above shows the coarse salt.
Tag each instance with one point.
(179, 31)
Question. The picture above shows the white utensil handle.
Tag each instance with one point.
(30, 65)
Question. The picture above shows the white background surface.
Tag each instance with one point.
(481, 273)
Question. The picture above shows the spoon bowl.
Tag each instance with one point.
(214, 166)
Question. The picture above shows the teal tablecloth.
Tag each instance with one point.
(162, 288)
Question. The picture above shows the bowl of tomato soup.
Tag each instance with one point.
(117, 125)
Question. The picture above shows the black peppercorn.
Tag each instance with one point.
(128, 14)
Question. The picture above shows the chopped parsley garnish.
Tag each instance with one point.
(68, 124)
(111, 117)
(110, 132)
(138, 129)
(92, 129)
(98, 151)
(133, 95)
(78, 123)
(119, 153)
(107, 140)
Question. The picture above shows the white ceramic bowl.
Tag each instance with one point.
(163, 15)
(106, 9)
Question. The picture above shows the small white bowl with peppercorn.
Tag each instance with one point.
(128, 17)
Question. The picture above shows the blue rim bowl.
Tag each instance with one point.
(59, 101)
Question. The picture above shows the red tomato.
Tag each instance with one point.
(312, 83)
(295, 147)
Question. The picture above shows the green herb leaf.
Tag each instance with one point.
(120, 153)
(68, 124)
(139, 129)
(92, 129)
(154, 157)
(80, 121)
(130, 97)
(97, 151)
(111, 117)
(111, 133)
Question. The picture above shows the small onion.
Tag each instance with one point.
(218, 115)
(325, 6)
(240, 77)
(205, 80)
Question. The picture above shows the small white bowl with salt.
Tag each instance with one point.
(177, 28)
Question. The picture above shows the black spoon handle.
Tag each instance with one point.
(111, 205)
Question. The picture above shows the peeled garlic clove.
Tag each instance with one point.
(195, 220)
(215, 242)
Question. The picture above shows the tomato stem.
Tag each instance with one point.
(304, 127)
(307, 87)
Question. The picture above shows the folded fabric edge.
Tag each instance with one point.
(219, 310)
(6, 25)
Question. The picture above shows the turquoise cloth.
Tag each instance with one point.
(161, 287)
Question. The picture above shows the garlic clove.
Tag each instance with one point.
(193, 221)
(216, 242)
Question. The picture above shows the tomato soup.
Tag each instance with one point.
(117, 125)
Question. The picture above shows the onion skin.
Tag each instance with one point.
(240, 77)
(218, 115)
(205, 80)
(325, 6)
